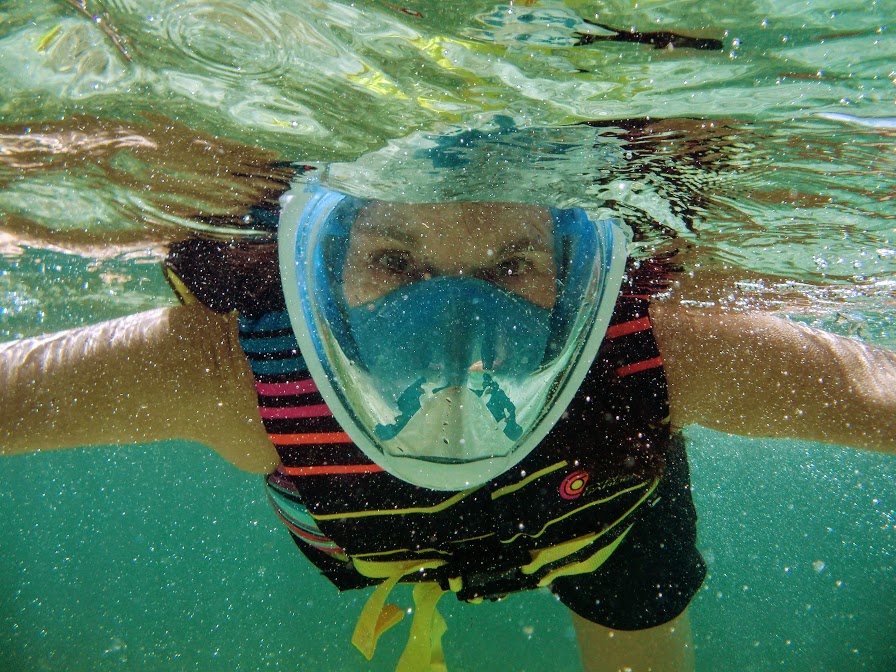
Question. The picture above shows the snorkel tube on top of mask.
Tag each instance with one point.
(446, 380)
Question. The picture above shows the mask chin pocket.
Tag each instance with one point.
(453, 426)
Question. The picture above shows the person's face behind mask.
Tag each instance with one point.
(395, 244)
(449, 304)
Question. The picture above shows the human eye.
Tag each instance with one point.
(507, 270)
(514, 266)
(529, 274)
(395, 262)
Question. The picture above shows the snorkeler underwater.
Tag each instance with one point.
(515, 336)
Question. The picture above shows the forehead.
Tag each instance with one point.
(474, 221)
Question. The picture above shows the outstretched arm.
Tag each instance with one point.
(758, 375)
(166, 374)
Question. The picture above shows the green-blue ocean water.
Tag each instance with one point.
(125, 124)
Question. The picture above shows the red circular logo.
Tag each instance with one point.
(574, 484)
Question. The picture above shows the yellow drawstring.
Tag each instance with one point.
(423, 652)
(376, 617)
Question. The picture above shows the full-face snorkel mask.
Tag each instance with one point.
(444, 380)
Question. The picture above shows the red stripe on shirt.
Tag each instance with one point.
(630, 327)
(283, 389)
(330, 469)
(628, 370)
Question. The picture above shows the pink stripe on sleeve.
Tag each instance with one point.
(283, 389)
(313, 411)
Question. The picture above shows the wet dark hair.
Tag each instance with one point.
(226, 276)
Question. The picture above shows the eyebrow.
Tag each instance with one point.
(524, 245)
(389, 231)
(401, 235)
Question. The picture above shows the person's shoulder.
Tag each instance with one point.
(758, 374)
(712, 357)
(680, 328)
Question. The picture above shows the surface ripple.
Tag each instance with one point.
(227, 38)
